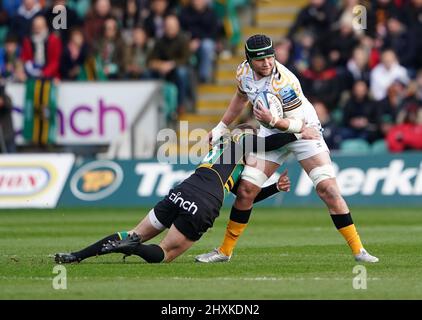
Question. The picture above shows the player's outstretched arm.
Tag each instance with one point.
(278, 140)
(253, 143)
(236, 106)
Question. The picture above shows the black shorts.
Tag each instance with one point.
(190, 209)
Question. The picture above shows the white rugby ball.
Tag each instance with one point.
(270, 101)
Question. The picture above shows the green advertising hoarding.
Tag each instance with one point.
(381, 180)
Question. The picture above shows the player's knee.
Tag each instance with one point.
(328, 191)
(253, 177)
(321, 174)
(247, 191)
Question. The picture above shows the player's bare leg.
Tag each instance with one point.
(240, 212)
(149, 227)
(317, 167)
(92, 250)
(174, 244)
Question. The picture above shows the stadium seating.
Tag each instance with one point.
(355, 146)
(379, 147)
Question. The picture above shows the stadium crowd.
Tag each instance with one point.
(364, 76)
(365, 82)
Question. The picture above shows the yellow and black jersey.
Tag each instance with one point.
(220, 170)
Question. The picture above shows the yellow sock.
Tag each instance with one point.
(352, 237)
(233, 232)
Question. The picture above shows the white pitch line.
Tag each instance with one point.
(188, 278)
(263, 279)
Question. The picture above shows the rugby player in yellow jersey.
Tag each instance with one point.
(191, 207)
(258, 73)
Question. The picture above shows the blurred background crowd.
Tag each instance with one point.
(364, 83)
(364, 77)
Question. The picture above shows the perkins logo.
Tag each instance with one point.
(96, 180)
(394, 179)
(23, 180)
(182, 203)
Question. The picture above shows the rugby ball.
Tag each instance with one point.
(270, 101)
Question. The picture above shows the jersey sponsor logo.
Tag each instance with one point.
(96, 180)
(288, 94)
(186, 205)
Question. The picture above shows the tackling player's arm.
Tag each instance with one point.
(253, 143)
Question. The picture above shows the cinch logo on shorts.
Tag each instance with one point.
(186, 205)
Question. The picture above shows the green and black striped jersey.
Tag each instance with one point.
(220, 170)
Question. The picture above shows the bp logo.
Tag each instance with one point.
(96, 180)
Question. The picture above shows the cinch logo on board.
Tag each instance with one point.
(88, 120)
(96, 180)
(23, 180)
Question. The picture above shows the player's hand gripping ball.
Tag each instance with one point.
(268, 101)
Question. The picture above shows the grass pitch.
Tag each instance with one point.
(283, 254)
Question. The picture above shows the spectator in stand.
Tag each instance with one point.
(11, 67)
(283, 55)
(72, 19)
(42, 51)
(372, 49)
(342, 42)
(321, 81)
(348, 13)
(154, 23)
(378, 15)
(418, 86)
(170, 57)
(75, 54)
(110, 48)
(95, 19)
(7, 133)
(200, 21)
(411, 110)
(358, 65)
(10, 7)
(21, 23)
(317, 18)
(360, 115)
(414, 19)
(331, 131)
(4, 15)
(134, 14)
(407, 134)
(303, 51)
(401, 41)
(136, 56)
(390, 106)
(384, 74)
(131, 14)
